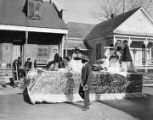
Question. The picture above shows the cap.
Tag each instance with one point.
(77, 48)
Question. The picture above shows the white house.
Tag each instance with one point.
(136, 26)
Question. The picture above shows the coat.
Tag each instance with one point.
(56, 57)
(86, 74)
(126, 56)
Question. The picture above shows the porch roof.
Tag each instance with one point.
(12, 17)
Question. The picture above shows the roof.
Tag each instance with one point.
(71, 44)
(79, 30)
(109, 26)
(11, 13)
(76, 34)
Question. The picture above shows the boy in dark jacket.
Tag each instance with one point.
(86, 76)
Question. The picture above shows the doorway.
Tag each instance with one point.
(16, 52)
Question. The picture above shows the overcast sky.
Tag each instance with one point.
(78, 10)
(82, 10)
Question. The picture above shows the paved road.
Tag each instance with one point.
(13, 107)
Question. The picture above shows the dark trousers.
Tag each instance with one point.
(85, 95)
(49, 64)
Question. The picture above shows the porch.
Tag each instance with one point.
(141, 49)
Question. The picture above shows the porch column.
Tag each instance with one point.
(65, 45)
(61, 47)
(146, 63)
(114, 40)
(26, 42)
(26, 37)
(129, 42)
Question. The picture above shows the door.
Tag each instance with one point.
(16, 52)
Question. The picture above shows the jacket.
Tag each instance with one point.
(86, 74)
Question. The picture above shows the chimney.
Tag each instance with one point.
(61, 13)
(112, 15)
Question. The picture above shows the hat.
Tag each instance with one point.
(84, 57)
(77, 48)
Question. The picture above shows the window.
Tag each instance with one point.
(42, 52)
(34, 9)
(98, 51)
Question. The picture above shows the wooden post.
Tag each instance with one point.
(62, 47)
(66, 44)
(26, 42)
(26, 37)
(146, 63)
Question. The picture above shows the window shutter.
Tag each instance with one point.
(31, 9)
(42, 52)
(34, 9)
(37, 9)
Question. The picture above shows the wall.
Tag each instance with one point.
(6, 53)
(92, 52)
(31, 51)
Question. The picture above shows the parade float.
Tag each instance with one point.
(63, 86)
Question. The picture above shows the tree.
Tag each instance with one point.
(107, 9)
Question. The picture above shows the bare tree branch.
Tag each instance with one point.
(116, 7)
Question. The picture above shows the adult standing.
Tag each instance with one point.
(76, 54)
(76, 63)
(86, 76)
(15, 70)
(126, 59)
(27, 65)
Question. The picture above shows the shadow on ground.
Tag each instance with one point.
(141, 108)
(78, 104)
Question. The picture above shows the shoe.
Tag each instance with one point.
(85, 109)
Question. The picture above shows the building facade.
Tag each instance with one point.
(31, 29)
(136, 26)
(75, 38)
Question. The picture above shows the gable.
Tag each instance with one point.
(12, 12)
(137, 24)
(108, 26)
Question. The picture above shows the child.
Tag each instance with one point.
(86, 76)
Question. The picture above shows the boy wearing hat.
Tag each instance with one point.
(86, 76)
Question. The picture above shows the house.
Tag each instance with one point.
(29, 28)
(75, 38)
(136, 26)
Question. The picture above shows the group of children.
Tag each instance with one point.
(19, 70)
(120, 60)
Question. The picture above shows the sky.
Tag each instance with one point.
(80, 11)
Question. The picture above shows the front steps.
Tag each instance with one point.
(5, 75)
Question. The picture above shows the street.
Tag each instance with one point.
(13, 107)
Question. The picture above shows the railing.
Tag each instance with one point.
(41, 62)
(143, 64)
